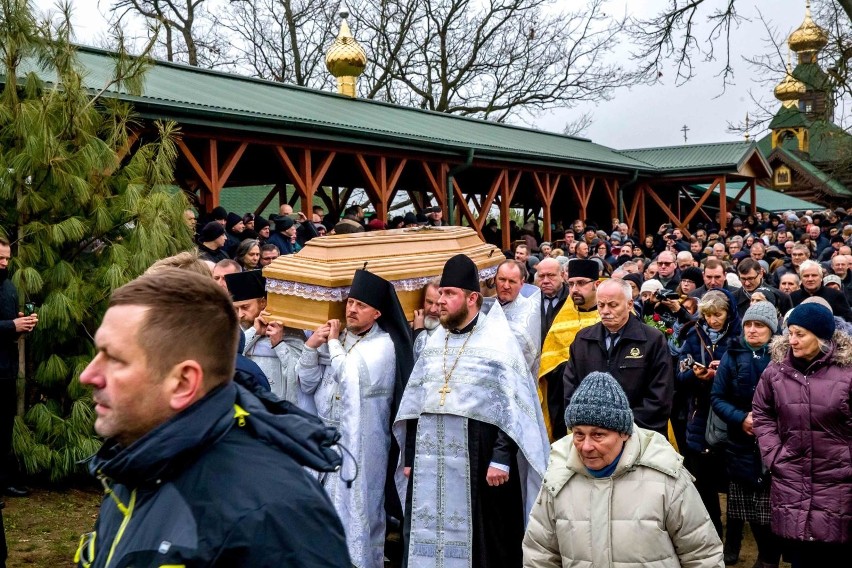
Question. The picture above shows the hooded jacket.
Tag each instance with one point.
(648, 513)
(220, 484)
(702, 350)
(803, 424)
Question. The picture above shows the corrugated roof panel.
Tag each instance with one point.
(221, 94)
(692, 156)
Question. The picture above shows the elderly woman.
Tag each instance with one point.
(731, 398)
(803, 423)
(706, 342)
(615, 494)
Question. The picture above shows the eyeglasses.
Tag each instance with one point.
(664, 263)
(579, 283)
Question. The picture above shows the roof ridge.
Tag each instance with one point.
(280, 85)
(690, 146)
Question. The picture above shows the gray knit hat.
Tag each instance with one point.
(600, 401)
(765, 313)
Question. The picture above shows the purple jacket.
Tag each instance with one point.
(803, 424)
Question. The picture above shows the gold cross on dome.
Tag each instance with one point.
(444, 390)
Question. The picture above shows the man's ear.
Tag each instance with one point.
(186, 384)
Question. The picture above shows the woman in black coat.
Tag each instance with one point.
(731, 399)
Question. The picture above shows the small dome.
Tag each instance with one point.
(790, 89)
(809, 36)
(345, 57)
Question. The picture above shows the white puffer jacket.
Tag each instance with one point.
(647, 514)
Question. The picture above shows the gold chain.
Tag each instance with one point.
(444, 390)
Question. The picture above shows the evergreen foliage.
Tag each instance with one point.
(84, 198)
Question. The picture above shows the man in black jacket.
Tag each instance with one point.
(811, 273)
(634, 353)
(752, 277)
(203, 471)
(12, 324)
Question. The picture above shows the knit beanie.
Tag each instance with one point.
(651, 286)
(600, 401)
(231, 220)
(211, 232)
(765, 313)
(694, 274)
(814, 318)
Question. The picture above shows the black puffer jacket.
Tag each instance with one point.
(731, 397)
(221, 484)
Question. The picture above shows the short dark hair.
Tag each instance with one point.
(352, 210)
(747, 265)
(268, 248)
(189, 316)
(714, 263)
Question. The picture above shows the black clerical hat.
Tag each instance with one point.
(246, 285)
(282, 222)
(370, 289)
(460, 272)
(583, 268)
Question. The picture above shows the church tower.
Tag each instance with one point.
(806, 42)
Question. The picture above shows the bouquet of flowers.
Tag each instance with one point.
(656, 322)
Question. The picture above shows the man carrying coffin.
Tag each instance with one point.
(474, 436)
(355, 377)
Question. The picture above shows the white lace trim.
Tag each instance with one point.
(339, 294)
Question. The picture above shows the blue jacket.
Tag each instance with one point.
(698, 345)
(731, 397)
(222, 484)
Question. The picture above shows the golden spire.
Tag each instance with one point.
(747, 135)
(790, 90)
(809, 36)
(346, 59)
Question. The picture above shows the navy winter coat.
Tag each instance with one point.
(731, 397)
(222, 484)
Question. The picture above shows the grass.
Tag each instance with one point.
(44, 528)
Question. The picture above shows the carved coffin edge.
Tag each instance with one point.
(341, 293)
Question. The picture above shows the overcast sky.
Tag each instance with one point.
(643, 116)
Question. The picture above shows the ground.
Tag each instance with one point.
(44, 528)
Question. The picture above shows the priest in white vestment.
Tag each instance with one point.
(475, 444)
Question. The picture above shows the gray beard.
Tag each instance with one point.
(431, 323)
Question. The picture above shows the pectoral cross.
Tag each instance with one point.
(444, 390)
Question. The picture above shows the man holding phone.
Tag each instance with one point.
(13, 323)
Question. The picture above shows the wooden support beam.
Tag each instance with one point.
(723, 203)
(662, 205)
(194, 164)
(686, 194)
(267, 200)
(752, 184)
(464, 209)
(496, 185)
(438, 181)
(380, 185)
(611, 187)
(700, 203)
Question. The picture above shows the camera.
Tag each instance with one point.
(663, 295)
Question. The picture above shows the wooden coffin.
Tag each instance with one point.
(306, 289)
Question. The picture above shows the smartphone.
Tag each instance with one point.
(699, 365)
(29, 309)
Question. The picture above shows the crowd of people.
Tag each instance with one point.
(585, 405)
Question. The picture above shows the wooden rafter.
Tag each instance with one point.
(694, 211)
(682, 191)
(547, 191)
(380, 186)
(438, 181)
(304, 178)
(464, 209)
(662, 205)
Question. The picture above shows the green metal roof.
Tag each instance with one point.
(789, 117)
(202, 97)
(815, 171)
(199, 96)
(697, 157)
(767, 199)
(812, 75)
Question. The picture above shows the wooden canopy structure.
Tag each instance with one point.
(237, 131)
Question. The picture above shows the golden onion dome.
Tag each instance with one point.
(790, 90)
(345, 57)
(809, 36)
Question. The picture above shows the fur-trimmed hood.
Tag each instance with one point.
(841, 355)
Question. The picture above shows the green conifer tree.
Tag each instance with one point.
(85, 198)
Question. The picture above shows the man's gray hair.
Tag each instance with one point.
(623, 284)
(808, 264)
(685, 255)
